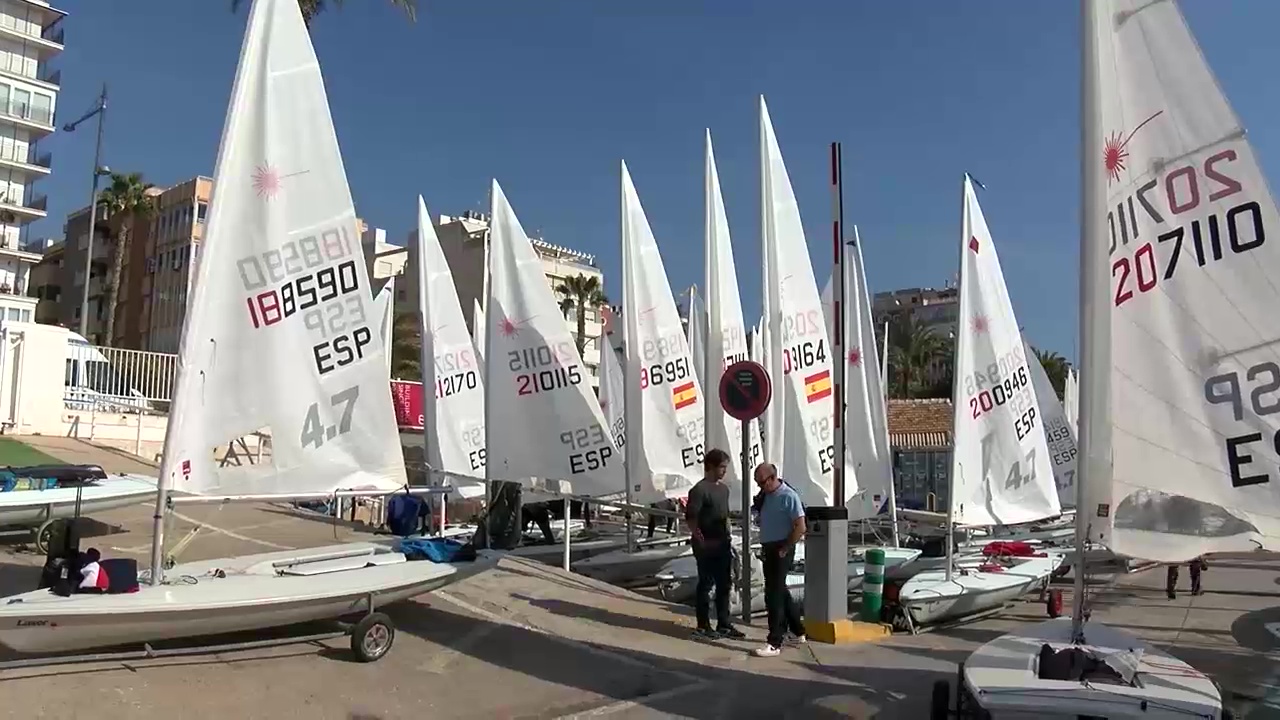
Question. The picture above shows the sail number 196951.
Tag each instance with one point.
(1227, 389)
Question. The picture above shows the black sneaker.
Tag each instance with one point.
(730, 632)
(705, 634)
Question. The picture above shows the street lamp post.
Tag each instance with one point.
(100, 111)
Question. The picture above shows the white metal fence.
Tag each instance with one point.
(106, 378)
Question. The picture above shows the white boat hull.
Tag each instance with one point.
(256, 591)
(621, 567)
(1003, 677)
(31, 508)
(930, 598)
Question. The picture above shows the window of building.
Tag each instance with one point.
(202, 209)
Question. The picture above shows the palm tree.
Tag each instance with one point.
(915, 348)
(311, 8)
(581, 293)
(126, 197)
(406, 347)
(1056, 367)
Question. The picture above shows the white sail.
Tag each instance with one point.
(1194, 372)
(613, 393)
(727, 334)
(1071, 400)
(866, 422)
(664, 422)
(282, 271)
(696, 334)
(799, 353)
(543, 420)
(1001, 472)
(477, 325)
(1059, 434)
(454, 413)
(384, 309)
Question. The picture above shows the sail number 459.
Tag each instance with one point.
(1226, 389)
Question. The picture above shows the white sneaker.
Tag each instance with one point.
(766, 651)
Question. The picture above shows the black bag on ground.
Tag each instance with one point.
(500, 527)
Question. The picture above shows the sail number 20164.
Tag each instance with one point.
(1263, 384)
(1202, 240)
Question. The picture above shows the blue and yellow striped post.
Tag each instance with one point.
(873, 586)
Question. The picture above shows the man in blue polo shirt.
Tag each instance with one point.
(781, 527)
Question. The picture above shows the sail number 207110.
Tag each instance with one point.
(1170, 204)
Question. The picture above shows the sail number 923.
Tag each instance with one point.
(1227, 389)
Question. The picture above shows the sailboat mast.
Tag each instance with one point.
(839, 297)
(1095, 308)
(884, 380)
(630, 381)
(956, 382)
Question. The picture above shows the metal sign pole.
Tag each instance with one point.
(746, 523)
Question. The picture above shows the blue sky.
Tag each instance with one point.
(549, 95)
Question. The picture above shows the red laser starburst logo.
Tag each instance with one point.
(511, 328)
(266, 181)
(980, 324)
(855, 357)
(1115, 153)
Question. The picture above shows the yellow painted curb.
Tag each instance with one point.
(845, 631)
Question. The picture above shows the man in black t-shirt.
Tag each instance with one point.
(708, 515)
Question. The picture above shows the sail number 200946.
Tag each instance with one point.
(1201, 239)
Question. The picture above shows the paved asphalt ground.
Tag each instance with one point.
(529, 641)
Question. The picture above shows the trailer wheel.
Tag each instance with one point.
(49, 532)
(372, 637)
(940, 709)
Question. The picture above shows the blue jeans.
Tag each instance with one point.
(715, 563)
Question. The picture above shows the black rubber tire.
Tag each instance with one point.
(940, 708)
(45, 534)
(372, 637)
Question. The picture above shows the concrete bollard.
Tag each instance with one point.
(873, 586)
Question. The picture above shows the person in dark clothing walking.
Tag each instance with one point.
(667, 504)
(782, 526)
(708, 515)
(1171, 583)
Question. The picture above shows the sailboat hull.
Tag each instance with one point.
(250, 593)
(930, 598)
(30, 508)
(1003, 676)
(621, 567)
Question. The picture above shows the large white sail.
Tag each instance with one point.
(866, 422)
(453, 415)
(799, 353)
(543, 420)
(282, 271)
(664, 407)
(696, 334)
(613, 393)
(1194, 370)
(1059, 434)
(726, 332)
(1001, 472)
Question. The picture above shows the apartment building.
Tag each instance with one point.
(464, 239)
(31, 35)
(161, 270)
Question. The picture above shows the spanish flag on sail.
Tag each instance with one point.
(684, 395)
(817, 386)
